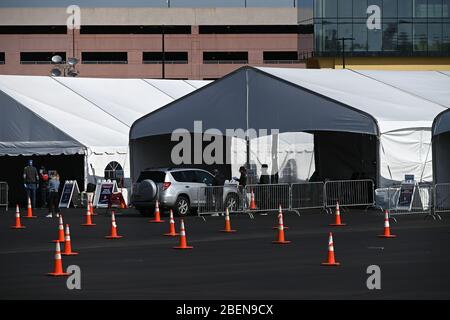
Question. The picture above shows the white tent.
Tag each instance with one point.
(389, 113)
(88, 116)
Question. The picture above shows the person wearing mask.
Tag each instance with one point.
(43, 186)
(31, 182)
(53, 195)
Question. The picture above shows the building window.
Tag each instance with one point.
(135, 29)
(275, 57)
(114, 171)
(104, 57)
(33, 29)
(253, 29)
(39, 57)
(169, 57)
(2, 58)
(225, 57)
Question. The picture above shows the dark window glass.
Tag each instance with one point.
(179, 176)
(225, 57)
(33, 30)
(204, 177)
(114, 171)
(280, 55)
(360, 8)
(420, 37)
(420, 8)
(104, 57)
(374, 40)
(170, 57)
(135, 29)
(446, 37)
(345, 31)
(434, 37)
(434, 8)
(446, 8)
(405, 9)
(39, 57)
(360, 36)
(344, 8)
(2, 58)
(189, 176)
(389, 36)
(404, 38)
(254, 29)
(330, 8)
(330, 37)
(156, 176)
(390, 8)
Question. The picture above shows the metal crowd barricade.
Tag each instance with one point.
(422, 200)
(267, 197)
(308, 195)
(4, 195)
(215, 199)
(441, 198)
(349, 193)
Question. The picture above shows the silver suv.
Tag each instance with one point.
(180, 189)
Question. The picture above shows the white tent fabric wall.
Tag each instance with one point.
(95, 113)
(404, 112)
(295, 155)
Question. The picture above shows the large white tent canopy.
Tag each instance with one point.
(397, 107)
(90, 116)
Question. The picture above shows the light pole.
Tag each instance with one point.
(64, 69)
(163, 45)
(343, 49)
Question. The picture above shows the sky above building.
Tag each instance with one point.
(156, 3)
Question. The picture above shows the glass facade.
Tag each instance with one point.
(406, 28)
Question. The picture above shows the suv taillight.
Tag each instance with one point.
(166, 185)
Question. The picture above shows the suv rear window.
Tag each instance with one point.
(156, 176)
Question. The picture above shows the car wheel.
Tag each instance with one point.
(232, 202)
(182, 206)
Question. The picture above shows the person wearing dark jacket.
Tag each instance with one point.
(30, 182)
(218, 183)
(243, 177)
(43, 186)
(265, 178)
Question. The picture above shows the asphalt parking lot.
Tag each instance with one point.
(244, 265)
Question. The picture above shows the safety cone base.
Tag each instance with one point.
(15, 227)
(113, 237)
(228, 231)
(156, 221)
(181, 248)
(335, 264)
(62, 274)
(338, 224)
(70, 254)
(281, 242)
(171, 234)
(60, 241)
(387, 236)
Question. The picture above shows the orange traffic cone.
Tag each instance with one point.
(114, 234)
(281, 239)
(227, 223)
(331, 261)
(18, 225)
(172, 232)
(338, 222)
(60, 230)
(29, 210)
(252, 201)
(88, 218)
(58, 268)
(68, 244)
(157, 218)
(91, 206)
(387, 229)
(280, 211)
(183, 239)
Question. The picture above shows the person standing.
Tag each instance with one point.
(43, 186)
(53, 195)
(218, 183)
(31, 182)
(242, 180)
(263, 200)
